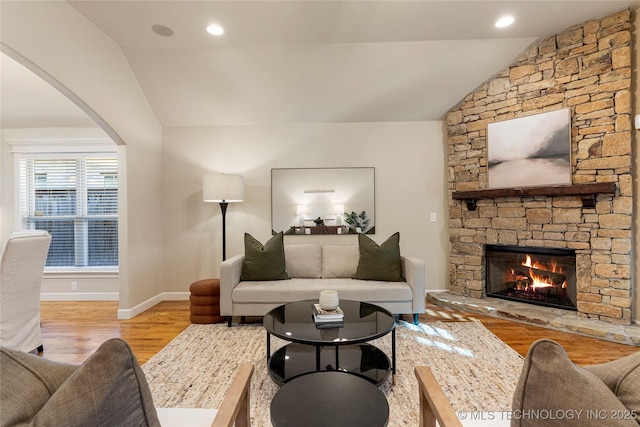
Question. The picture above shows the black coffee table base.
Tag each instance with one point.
(333, 399)
(330, 347)
(363, 360)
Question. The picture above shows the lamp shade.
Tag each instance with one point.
(222, 188)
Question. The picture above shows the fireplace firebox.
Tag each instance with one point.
(541, 276)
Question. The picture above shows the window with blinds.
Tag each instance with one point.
(75, 198)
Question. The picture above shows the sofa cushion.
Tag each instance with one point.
(264, 262)
(550, 381)
(282, 292)
(622, 376)
(27, 383)
(339, 261)
(379, 262)
(303, 261)
(108, 389)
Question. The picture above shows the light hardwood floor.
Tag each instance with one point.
(72, 331)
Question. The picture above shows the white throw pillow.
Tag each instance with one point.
(303, 261)
(339, 261)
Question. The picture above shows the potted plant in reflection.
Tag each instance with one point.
(358, 223)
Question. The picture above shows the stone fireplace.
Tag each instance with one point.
(586, 68)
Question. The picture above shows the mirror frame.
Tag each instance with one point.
(304, 200)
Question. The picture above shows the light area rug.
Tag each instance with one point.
(477, 371)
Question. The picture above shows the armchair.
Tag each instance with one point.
(434, 405)
(234, 409)
(550, 383)
(21, 267)
(108, 389)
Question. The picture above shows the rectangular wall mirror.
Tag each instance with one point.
(323, 201)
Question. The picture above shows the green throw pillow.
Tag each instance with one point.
(264, 262)
(379, 262)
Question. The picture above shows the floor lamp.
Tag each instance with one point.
(224, 189)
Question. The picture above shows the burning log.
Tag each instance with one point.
(547, 276)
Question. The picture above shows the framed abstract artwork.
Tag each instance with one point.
(530, 151)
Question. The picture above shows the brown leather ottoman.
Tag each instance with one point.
(205, 301)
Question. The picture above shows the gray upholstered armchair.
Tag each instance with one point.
(108, 389)
(551, 384)
(21, 267)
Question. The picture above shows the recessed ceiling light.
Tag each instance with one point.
(215, 30)
(504, 21)
(162, 30)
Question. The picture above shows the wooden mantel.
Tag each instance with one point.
(586, 191)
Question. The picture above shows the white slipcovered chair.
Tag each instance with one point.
(21, 267)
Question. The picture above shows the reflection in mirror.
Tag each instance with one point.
(323, 201)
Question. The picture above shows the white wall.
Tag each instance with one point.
(6, 191)
(52, 38)
(409, 174)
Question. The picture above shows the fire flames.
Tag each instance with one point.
(541, 275)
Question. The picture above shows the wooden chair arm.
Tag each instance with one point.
(434, 404)
(236, 403)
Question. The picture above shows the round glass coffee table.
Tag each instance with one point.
(333, 399)
(315, 348)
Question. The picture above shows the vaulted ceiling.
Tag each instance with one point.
(309, 61)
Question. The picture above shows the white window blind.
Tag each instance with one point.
(75, 198)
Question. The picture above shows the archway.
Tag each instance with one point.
(41, 115)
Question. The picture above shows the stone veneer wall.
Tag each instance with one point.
(588, 69)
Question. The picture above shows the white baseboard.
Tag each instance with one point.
(130, 313)
(175, 296)
(115, 296)
(80, 296)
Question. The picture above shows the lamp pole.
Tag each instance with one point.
(223, 189)
(223, 208)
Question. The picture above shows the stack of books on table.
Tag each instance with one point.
(331, 318)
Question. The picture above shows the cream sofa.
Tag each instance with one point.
(313, 268)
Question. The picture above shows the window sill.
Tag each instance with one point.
(54, 272)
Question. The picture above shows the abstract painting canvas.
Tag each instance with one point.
(530, 151)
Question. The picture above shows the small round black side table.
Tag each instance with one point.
(327, 398)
